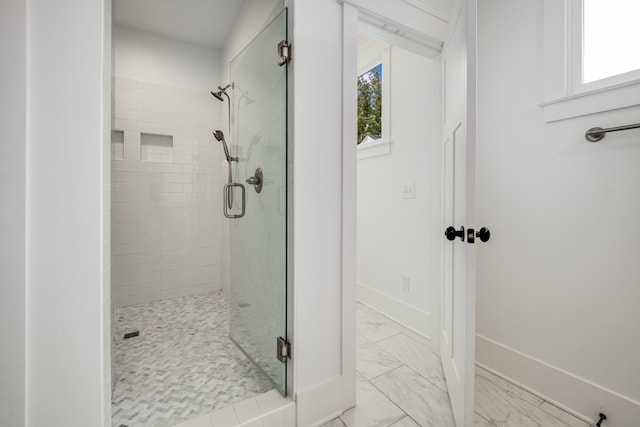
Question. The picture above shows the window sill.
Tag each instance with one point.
(374, 149)
(592, 102)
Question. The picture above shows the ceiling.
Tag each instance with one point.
(440, 7)
(204, 22)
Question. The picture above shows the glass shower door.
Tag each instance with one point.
(258, 297)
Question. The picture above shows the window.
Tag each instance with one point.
(604, 46)
(591, 61)
(374, 96)
(370, 105)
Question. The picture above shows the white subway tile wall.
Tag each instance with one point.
(117, 145)
(156, 148)
(167, 209)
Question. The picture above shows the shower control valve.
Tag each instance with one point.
(256, 180)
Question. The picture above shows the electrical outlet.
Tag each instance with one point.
(409, 191)
(406, 283)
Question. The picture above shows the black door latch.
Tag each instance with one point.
(483, 234)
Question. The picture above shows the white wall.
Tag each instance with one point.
(108, 308)
(316, 158)
(157, 59)
(111, 90)
(12, 212)
(396, 236)
(166, 212)
(323, 287)
(67, 293)
(558, 281)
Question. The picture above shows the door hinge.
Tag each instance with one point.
(284, 53)
(284, 350)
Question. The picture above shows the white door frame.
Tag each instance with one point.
(401, 15)
(351, 9)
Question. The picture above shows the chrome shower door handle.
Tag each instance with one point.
(228, 195)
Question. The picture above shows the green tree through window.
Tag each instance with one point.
(370, 104)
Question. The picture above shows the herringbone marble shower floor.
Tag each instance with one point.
(182, 365)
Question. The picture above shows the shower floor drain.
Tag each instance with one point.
(131, 335)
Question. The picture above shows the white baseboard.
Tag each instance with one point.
(407, 315)
(325, 401)
(576, 395)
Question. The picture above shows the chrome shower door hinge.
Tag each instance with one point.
(284, 53)
(284, 350)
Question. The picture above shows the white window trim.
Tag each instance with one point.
(381, 147)
(374, 149)
(564, 94)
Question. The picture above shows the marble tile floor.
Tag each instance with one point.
(182, 366)
(400, 383)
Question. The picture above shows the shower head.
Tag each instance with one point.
(221, 91)
(217, 95)
(219, 135)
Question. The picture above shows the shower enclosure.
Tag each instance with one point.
(258, 252)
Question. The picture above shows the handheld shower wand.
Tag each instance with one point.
(219, 135)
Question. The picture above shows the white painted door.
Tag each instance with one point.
(458, 291)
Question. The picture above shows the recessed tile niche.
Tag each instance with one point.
(156, 148)
(117, 145)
